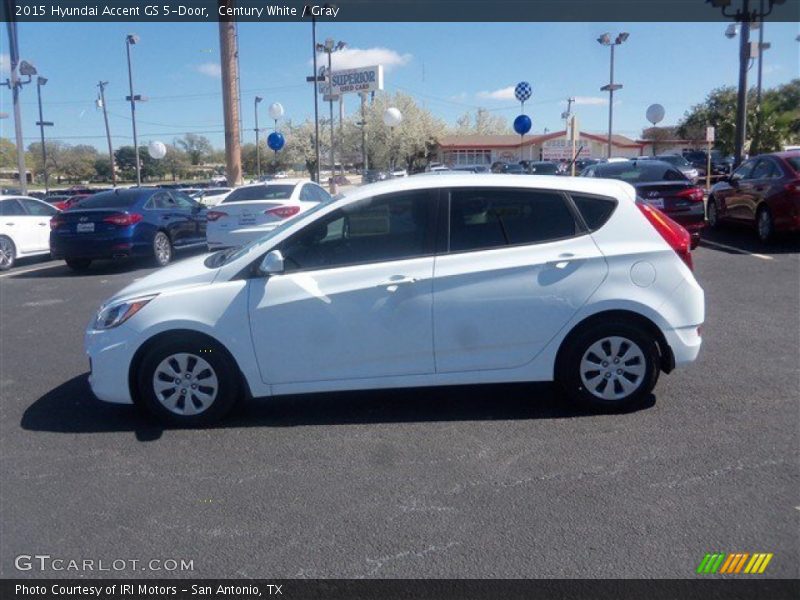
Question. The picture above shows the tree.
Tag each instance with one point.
(299, 147)
(8, 154)
(175, 162)
(483, 123)
(102, 169)
(149, 167)
(197, 147)
(659, 134)
(78, 162)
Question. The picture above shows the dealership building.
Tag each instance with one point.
(471, 150)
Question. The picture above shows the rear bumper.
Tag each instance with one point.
(114, 248)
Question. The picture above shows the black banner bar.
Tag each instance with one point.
(386, 10)
(743, 588)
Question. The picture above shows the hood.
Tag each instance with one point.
(185, 273)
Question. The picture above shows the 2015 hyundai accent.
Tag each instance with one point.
(420, 281)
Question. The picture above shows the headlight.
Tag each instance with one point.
(116, 314)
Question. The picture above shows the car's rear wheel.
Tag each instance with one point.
(188, 381)
(78, 264)
(609, 366)
(712, 213)
(162, 249)
(8, 253)
(765, 225)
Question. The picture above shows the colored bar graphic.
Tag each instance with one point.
(702, 567)
(764, 564)
(722, 563)
(717, 563)
(741, 562)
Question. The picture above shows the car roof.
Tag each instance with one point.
(588, 185)
(15, 196)
(274, 182)
(786, 154)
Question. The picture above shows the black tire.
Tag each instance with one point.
(712, 213)
(163, 250)
(201, 411)
(8, 253)
(578, 345)
(765, 225)
(78, 264)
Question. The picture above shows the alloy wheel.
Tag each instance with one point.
(712, 213)
(6, 253)
(162, 249)
(612, 368)
(185, 384)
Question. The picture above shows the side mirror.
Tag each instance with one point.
(272, 263)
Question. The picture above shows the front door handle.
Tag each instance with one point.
(562, 261)
(394, 282)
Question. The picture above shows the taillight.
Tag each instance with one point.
(793, 187)
(695, 194)
(56, 222)
(214, 215)
(123, 219)
(675, 235)
(283, 212)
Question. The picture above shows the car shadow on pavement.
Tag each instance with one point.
(106, 267)
(72, 408)
(743, 240)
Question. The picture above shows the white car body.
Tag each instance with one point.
(25, 222)
(450, 317)
(233, 223)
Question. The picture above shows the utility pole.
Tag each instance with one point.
(230, 96)
(258, 148)
(15, 84)
(130, 40)
(741, 102)
(332, 189)
(606, 40)
(40, 81)
(363, 124)
(102, 85)
(341, 131)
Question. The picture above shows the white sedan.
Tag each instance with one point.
(250, 211)
(450, 280)
(24, 228)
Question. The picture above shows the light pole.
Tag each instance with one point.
(329, 47)
(744, 16)
(40, 81)
(258, 148)
(130, 40)
(605, 40)
(102, 85)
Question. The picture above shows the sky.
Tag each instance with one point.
(450, 68)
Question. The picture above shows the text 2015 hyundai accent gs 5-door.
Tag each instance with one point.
(420, 281)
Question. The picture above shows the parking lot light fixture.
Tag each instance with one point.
(41, 81)
(605, 40)
(130, 40)
(258, 148)
(329, 47)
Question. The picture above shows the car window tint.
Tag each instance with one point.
(744, 170)
(490, 218)
(11, 208)
(763, 170)
(391, 227)
(116, 200)
(640, 171)
(162, 200)
(261, 192)
(38, 209)
(182, 200)
(595, 211)
(306, 195)
(794, 161)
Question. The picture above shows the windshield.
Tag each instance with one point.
(638, 172)
(678, 161)
(110, 200)
(223, 257)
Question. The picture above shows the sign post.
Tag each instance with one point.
(574, 133)
(709, 141)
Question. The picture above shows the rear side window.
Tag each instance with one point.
(11, 208)
(493, 218)
(594, 210)
(38, 209)
(261, 192)
(794, 161)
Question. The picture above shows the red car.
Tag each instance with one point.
(764, 191)
(73, 200)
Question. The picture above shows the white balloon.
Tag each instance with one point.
(276, 110)
(157, 150)
(655, 113)
(392, 117)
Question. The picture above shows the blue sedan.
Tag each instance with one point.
(136, 222)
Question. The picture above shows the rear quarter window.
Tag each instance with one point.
(594, 209)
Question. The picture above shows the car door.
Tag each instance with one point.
(196, 212)
(40, 214)
(18, 225)
(760, 182)
(734, 198)
(173, 218)
(517, 269)
(355, 299)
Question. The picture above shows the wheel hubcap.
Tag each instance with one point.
(185, 384)
(162, 248)
(6, 254)
(612, 368)
(763, 224)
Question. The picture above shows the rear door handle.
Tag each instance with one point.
(562, 261)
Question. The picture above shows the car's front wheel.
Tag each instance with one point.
(765, 225)
(188, 381)
(609, 366)
(712, 214)
(162, 249)
(8, 253)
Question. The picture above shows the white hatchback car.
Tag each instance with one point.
(24, 228)
(420, 281)
(250, 211)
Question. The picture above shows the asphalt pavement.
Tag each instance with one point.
(501, 481)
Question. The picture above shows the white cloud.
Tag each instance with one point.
(770, 69)
(211, 69)
(506, 93)
(5, 63)
(353, 58)
(590, 100)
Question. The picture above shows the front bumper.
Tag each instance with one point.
(110, 353)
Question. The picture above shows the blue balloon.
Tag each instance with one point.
(275, 141)
(522, 124)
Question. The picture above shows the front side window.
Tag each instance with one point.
(183, 201)
(491, 218)
(763, 170)
(743, 172)
(11, 208)
(384, 228)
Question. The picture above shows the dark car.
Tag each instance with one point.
(764, 191)
(543, 167)
(661, 186)
(699, 160)
(148, 222)
(373, 175)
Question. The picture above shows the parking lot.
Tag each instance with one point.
(501, 481)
